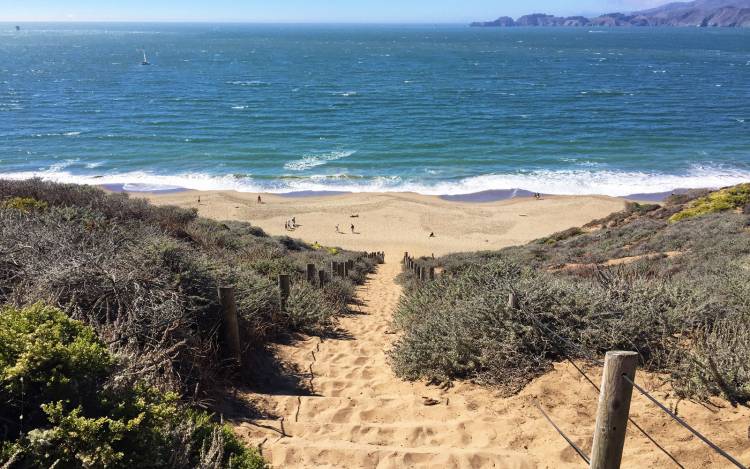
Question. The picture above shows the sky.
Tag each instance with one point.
(306, 11)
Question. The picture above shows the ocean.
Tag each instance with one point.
(442, 109)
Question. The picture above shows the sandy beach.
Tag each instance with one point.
(398, 222)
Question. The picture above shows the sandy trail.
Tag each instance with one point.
(360, 415)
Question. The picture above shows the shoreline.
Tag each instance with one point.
(485, 196)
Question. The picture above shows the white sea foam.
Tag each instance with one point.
(247, 83)
(567, 182)
(312, 160)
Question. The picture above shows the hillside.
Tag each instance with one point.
(699, 13)
(670, 282)
(111, 323)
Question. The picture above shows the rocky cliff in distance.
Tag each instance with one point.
(699, 13)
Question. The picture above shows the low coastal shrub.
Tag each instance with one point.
(677, 293)
(65, 409)
(729, 198)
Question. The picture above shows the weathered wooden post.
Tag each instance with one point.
(311, 273)
(512, 301)
(322, 278)
(406, 256)
(613, 410)
(344, 269)
(432, 273)
(284, 289)
(230, 327)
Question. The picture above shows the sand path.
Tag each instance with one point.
(359, 415)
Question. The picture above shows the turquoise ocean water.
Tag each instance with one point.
(432, 109)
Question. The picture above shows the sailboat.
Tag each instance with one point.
(145, 59)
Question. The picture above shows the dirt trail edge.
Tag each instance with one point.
(356, 413)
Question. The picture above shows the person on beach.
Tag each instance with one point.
(352, 227)
(294, 222)
(260, 201)
(337, 229)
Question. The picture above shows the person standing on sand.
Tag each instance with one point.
(260, 201)
(352, 227)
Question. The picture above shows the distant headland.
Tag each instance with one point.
(699, 13)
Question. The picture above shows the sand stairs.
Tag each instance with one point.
(359, 415)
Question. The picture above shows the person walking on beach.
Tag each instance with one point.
(352, 227)
(260, 201)
(294, 222)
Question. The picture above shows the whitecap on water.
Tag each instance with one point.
(312, 160)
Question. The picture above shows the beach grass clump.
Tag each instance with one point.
(730, 198)
(677, 293)
(63, 406)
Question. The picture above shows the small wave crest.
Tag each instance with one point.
(312, 160)
(247, 83)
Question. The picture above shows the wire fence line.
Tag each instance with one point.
(682, 422)
(643, 391)
(562, 434)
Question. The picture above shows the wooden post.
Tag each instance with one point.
(432, 273)
(350, 264)
(613, 410)
(229, 324)
(284, 288)
(322, 278)
(334, 268)
(406, 257)
(344, 269)
(311, 273)
(512, 301)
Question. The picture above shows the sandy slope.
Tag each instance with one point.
(361, 416)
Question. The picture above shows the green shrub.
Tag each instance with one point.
(67, 411)
(339, 293)
(24, 204)
(307, 309)
(725, 199)
(47, 357)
